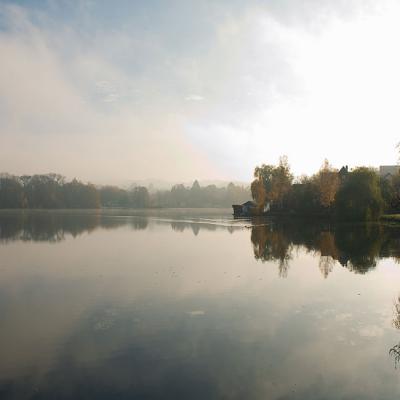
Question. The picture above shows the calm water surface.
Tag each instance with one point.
(192, 304)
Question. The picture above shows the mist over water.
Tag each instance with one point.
(194, 304)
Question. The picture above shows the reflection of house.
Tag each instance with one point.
(244, 210)
(388, 171)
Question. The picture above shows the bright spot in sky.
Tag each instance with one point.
(343, 104)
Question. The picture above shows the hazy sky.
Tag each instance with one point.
(177, 90)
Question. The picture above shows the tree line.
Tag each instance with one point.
(53, 191)
(359, 194)
(46, 191)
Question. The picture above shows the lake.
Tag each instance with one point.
(192, 304)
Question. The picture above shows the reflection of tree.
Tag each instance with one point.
(356, 247)
(396, 318)
(391, 244)
(359, 246)
(54, 226)
(196, 227)
(270, 245)
(177, 226)
(395, 353)
(329, 252)
(326, 264)
(139, 223)
(395, 350)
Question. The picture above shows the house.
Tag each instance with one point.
(244, 210)
(388, 171)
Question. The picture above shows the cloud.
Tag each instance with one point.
(55, 115)
(141, 90)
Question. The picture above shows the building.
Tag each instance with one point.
(244, 210)
(387, 171)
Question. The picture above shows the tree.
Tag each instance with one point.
(282, 181)
(327, 181)
(395, 183)
(390, 188)
(112, 196)
(11, 193)
(195, 195)
(303, 198)
(179, 195)
(277, 182)
(140, 197)
(359, 197)
(79, 195)
(44, 191)
(258, 193)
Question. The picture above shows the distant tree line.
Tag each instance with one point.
(113, 196)
(46, 191)
(359, 194)
(198, 196)
(53, 191)
(179, 196)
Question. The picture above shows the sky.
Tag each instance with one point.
(112, 91)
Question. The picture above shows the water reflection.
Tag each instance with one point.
(56, 226)
(395, 350)
(142, 307)
(356, 247)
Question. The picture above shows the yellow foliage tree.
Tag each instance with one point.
(327, 181)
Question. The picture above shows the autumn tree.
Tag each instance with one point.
(276, 182)
(327, 181)
(258, 193)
